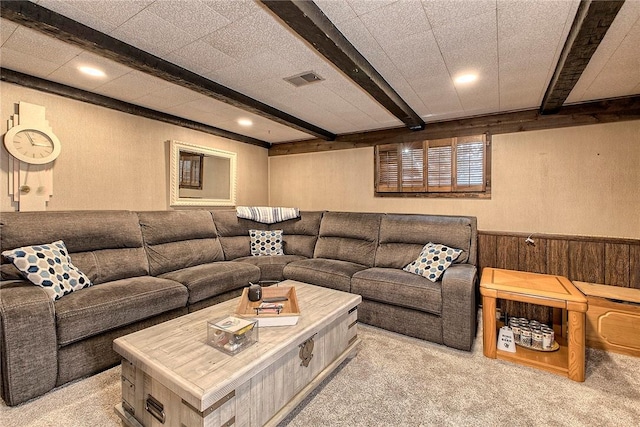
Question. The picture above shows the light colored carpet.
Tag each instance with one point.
(400, 381)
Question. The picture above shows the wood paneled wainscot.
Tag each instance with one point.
(172, 377)
(602, 260)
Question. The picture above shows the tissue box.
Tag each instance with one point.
(232, 334)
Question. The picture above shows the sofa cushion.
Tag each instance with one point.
(49, 267)
(208, 280)
(433, 260)
(329, 273)
(348, 236)
(97, 241)
(299, 234)
(103, 307)
(271, 267)
(402, 237)
(266, 242)
(179, 239)
(397, 287)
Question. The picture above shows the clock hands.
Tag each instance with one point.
(29, 137)
(33, 144)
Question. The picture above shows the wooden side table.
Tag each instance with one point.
(543, 289)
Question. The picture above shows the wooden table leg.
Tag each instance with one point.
(489, 326)
(576, 345)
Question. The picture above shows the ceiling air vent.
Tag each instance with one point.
(303, 79)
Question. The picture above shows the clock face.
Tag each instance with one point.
(32, 145)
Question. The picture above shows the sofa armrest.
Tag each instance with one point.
(28, 343)
(459, 309)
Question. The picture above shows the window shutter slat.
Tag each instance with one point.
(388, 169)
(439, 168)
(470, 165)
(412, 167)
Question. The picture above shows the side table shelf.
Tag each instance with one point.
(551, 361)
(548, 290)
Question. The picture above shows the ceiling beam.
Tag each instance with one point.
(62, 28)
(15, 77)
(607, 111)
(590, 25)
(310, 23)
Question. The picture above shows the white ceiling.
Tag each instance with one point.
(417, 46)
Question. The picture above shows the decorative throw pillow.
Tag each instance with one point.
(433, 260)
(48, 266)
(265, 242)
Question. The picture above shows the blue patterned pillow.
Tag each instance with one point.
(433, 260)
(49, 267)
(265, 242)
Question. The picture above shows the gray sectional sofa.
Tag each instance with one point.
(148, 267)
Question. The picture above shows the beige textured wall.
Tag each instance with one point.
(576, 181)
(113, 160)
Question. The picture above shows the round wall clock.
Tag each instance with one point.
(32, 145)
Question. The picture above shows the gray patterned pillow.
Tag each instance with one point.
(433, 260)
(48, 266)
(264, 242)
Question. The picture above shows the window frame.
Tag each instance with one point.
(383, 188)
(191, 179)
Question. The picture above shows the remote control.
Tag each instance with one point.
(275, 299)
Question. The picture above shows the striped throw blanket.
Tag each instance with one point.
(267, 215)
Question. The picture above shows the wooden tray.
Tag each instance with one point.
(287, 317)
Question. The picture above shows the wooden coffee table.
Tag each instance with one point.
(542, 289)
(172, 377)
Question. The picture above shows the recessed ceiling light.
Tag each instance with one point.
(92, 71)
(245, 122)
(466, 78)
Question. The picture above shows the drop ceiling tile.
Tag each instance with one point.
(6, 30)
(264, 129)
(443, 12)
(244, 38)
(233, 10)
(538, 20)
(101, 15)
(237, 77)
(360, 7)
(150, 32)
(397, 20)
(200, 57)
(193, 17)
(478, 31)
(131, 86)
(18, 61)
(416, 56)
(269, 88)
(70, 75)
(177, 94)
(336, 11)
(519, 98)
(272, 65)
(33, 43)
(439, 94)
